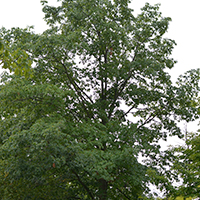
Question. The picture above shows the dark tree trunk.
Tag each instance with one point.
(103, 186)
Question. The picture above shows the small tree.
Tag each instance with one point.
(187, 166)
(185, 158)
(97, 98)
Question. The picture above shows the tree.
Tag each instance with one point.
(98, 96)
(185, 158)
(186, 166)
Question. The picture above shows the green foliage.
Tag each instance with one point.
(12, 57)
(186, 166)
(96, 98)
(179, 198)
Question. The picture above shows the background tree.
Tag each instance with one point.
(186, 166)
(98, 97)
(185, 158)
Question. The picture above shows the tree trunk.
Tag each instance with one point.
(103, 186)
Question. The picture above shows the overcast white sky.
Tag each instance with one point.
(184, 28)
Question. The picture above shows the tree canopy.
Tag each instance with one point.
(93, 96)
(186, 165)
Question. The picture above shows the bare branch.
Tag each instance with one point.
(126, 113)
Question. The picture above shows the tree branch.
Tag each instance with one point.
(127, 112)
(76, 87)
(83, 184)
(78, 90)
(123, 84)
(105, 61)
(123, 194)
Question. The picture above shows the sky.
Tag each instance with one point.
(184, 28)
